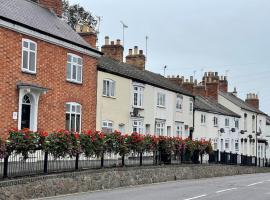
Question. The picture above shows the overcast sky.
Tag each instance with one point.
(227, 36)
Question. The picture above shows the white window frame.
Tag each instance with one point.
(108, 90)
(203, 119)
(160, 128)
(227, 122)
(215, 143)
(75, 112)
(138, 91)
(137, 126)
(161, 99)
(215, 121)
(236, 145)
(107, 124)
(28, 50)
(236, 123)
(179, 129)
(78, 68)
(179, 104)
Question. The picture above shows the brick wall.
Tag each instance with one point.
(51, 73)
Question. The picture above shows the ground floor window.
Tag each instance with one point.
(160, 128)
(73, 117)
(236, 145)
(179, 129)
(137, 126)
(227, 144)
(215, 146)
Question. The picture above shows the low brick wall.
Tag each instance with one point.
(58, 184)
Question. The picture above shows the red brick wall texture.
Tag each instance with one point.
(51, 73)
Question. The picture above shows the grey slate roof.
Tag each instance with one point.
(211, 106)
(239, 102)
(144, 76)
(33, 16)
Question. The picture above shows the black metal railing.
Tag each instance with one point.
(43, 163)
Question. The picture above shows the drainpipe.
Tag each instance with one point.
(193, 120)
(256, 138)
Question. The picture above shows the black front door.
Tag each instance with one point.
(25, 116)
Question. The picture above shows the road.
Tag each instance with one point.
(243, 187)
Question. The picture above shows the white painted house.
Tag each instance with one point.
(252, 124)
(132, 99)
(216, 123)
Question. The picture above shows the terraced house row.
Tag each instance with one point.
(53, 77)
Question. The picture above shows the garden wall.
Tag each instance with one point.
(65, 183)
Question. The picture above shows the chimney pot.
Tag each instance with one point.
(177, 76)
(135, 50)
(191, 79)
(112, 42)
(118, 42)
(130, 52)
(107, 40)
(141, 52)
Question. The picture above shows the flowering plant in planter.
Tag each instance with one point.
(165, 144)
(136, 142)
(151, 143)
(23, 142)
(117, 143)
(177, 145)
(62, 143)
(92, 143)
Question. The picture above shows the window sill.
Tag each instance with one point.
(29, 72)
(161, 106)
(75, 82)
(138, 107)
(110, 97)
(179, 111)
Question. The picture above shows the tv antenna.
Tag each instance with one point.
(124, 26)
(164, 68)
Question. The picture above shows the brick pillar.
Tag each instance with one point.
(55, 5)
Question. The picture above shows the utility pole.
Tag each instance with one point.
(146, 47)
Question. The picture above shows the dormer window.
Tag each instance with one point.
(29, 56)
(74, 68)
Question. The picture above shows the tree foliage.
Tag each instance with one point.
(77, 15)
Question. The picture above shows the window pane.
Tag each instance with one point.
(78, 123)
(72, 127)
(32, 62)
(25, 44)
(32, 46)
(68, 71)
(107, 88)
(104, 87)
(73, 108)
(79, 61)
(78, 109)
(79, 74)
(135, 99)
(67, 107)
(112, 89)
(25, 59)
(69, 58)
(67, 121)
(75, 59)
(74, 72)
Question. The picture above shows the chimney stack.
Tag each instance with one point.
(253, 100)
(54, 5)
(234, 92)
(112, 50)
(88, 34)
(136, 58)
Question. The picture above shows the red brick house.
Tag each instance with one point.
(48, 71)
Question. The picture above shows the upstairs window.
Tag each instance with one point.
(179, 103)
(253, 123)
(227, 122)
(191, 105)
(107, 126)
(108, 88)
(236, 123)
(29, 56)
(161, 99)
(73, 117)
(215, 121)
(138, 96)
(74, 68)
(203, 119)
(245, 121)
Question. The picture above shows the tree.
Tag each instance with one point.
(77, 15)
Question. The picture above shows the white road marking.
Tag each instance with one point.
(197, 197)
(225, 190)
(254, 183)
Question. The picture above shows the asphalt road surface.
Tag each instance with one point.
(243, 187)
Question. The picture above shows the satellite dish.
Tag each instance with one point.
(222, 130)
(242, 132)
(233, 130)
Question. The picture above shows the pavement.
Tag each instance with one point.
(241, 187)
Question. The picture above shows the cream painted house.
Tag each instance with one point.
(132, 99)
(216, 123)
(252, 124)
